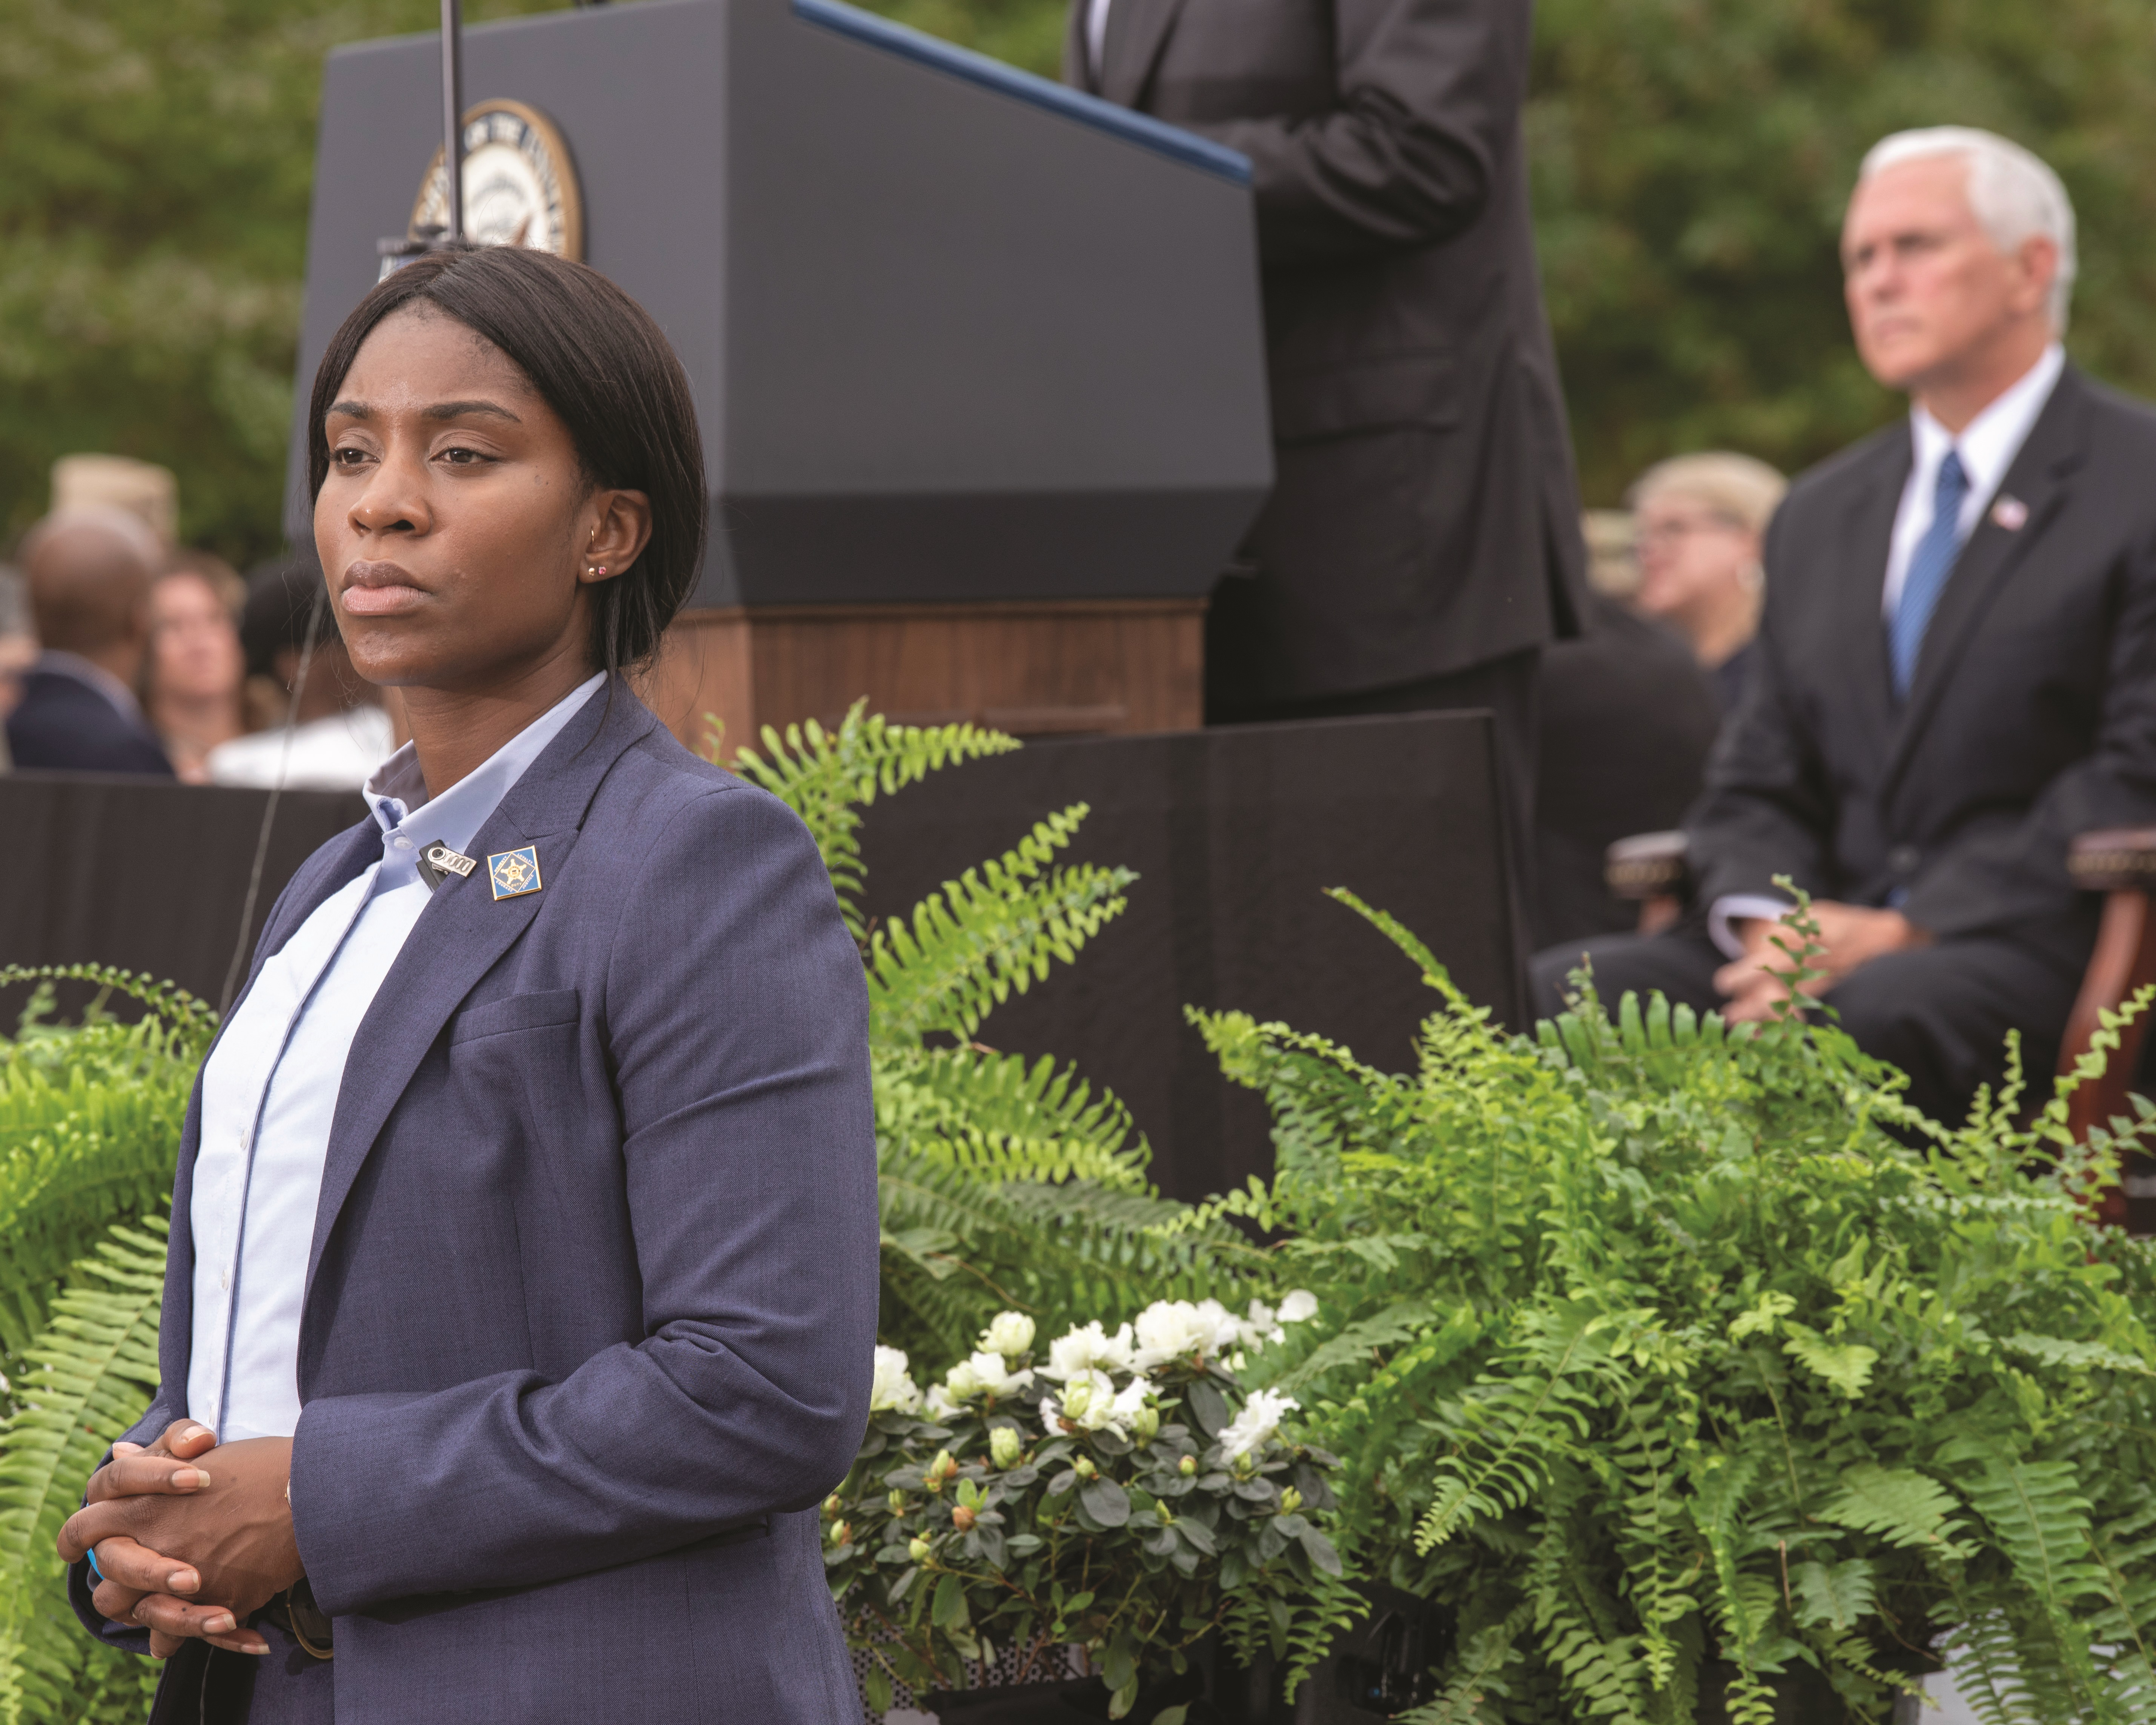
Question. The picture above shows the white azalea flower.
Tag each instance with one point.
(1088, 1402)
(1131, 1401)
(1260, 1420)
(1299, 1307)
(1010, 1335)
(1177, 1330)
(893, 1390)
(941, 1405)
(1090, 1349)
(984, 1373)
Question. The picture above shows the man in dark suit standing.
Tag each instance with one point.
(90, 572)
(1956, 669)
(1422, 540)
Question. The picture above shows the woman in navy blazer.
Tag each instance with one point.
(583, 1331)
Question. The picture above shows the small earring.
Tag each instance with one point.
(599, 569)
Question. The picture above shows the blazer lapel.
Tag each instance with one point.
(1137, 32)
(458, 937)
(1867, 541)
(2037, 478)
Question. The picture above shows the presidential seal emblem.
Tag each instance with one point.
(519, 185)
(514, 873)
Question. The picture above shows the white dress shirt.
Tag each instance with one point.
(1987, 445)
(1096, 34)
(270, 1091)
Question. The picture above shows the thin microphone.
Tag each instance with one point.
(314, 617)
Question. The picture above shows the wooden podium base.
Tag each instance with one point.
(1048, 668)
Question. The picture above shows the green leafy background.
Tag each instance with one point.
(1690, 159)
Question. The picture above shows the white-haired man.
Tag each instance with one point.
(1956, 667)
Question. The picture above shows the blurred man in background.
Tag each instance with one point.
(1422, 540)
(89, 573)
(1955, 672)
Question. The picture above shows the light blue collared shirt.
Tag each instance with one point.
(270, 1091)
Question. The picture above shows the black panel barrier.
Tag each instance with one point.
(1234, 834)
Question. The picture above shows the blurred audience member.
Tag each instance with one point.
(1613, 564)
(90, 572)
(141, 488)
(335, 733)
(196, 666)
(1956, 674)
(1697, 525)
(18, 647)
(1628, 717)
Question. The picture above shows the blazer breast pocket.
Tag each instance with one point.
(1376, 393)
(515, 1012)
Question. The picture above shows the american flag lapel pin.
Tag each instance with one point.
(2010, 513)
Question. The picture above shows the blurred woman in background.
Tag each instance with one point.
(195, 669)
(1697, 525)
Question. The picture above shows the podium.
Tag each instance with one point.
(978, 360)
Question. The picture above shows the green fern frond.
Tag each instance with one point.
(827, 776)
(89, 1376)
(992, 933)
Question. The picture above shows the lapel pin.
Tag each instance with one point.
(514, 873)
(2011, 513)
(439, 863)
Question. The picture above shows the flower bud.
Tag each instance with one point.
(897, 1501)
(1005, 1447)
(1164, 1513)
(1187, 1467)
(1084, 1468)
(941, 1469)
(918, 1548)
(1291, 1500)
(842, 1533)
(962, 1519)
(1145, 1424)
(833, 1505)
(1010, 1335)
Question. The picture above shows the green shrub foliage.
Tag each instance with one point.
(1006, 1180)
(1671, 1356)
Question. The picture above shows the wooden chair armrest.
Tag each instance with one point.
(2116, 859)
(1647, 865)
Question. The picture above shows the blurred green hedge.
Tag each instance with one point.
(1691, 158)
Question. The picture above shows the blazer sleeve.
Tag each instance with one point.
(737, 1013)
(1429, 94)
(2016, 872)
(1768, 808)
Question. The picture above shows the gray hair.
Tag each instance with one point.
(2012, 193)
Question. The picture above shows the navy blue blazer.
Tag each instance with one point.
(63, 725)
(591, 1306)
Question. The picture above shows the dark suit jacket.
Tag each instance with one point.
(591, 1302)
(1424, 517)
(1627, 718)
(2033, 713)
(63, 725)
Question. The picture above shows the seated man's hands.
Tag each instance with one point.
(1852, 935)
(190, 1550)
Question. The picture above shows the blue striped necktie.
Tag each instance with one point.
(1929, 565)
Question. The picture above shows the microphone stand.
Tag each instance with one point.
(400, 250)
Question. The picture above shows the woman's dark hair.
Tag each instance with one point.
(595, 359)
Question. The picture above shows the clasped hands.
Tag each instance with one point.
(192, 1537)
(1851, 935)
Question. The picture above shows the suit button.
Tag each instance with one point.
(1903, 859)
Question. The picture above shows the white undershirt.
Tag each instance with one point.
(272, 1084)
(1987, 445)
(1096, 34)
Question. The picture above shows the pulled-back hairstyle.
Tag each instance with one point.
(593, 355)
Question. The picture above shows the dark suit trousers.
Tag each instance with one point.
(208, 1685)
(1506, 687)
(1940, 1012)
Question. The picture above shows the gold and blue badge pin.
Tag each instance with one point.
(514, 873)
